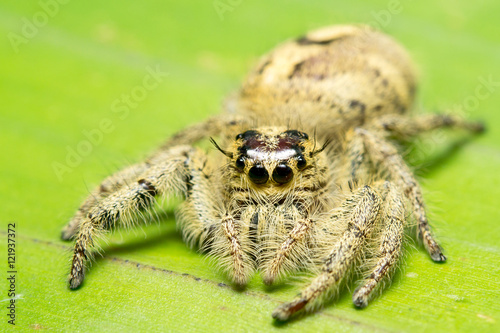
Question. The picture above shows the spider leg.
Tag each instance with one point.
(199, 214)
(392, 216)
(389, 249)
(286, 252)
(407, 127)
(383, 152)
(110, 185)
(240, 265)
(212, 127)
(354, 162)
(203, 219)
(122, 207)
(361, 211)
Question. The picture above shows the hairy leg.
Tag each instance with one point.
(123, 206)
(354, 162)
(407, 127)
(361, 212)
(241, 267)
(286, 255)
(384, 153)
(389, 245)
(204, 220)
(212, 127)
(109, 186)
(228, 242)
(201, 212)
(392, 216)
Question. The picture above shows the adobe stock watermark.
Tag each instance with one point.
(223, 6)
(486, 87)
(483, 90)
(382, 18)
(120, 110)
(31, 26)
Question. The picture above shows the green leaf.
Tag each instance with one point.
(70, 72)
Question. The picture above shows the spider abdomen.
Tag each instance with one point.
(330, 77)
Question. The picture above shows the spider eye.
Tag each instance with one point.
(301, 162)
(282, 174)
(240, 163)
(258, 174)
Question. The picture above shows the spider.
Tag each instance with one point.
(306, 174)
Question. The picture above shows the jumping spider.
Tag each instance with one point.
(310, 177)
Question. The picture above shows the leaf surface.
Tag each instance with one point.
(71, 73)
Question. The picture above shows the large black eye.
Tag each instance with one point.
(240, 163)
(301, 162)
(282, 174)
(258, 174)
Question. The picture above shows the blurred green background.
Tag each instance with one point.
(67, 66)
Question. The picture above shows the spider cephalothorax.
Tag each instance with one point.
(280, 200)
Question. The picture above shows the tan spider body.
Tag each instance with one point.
(308, 177)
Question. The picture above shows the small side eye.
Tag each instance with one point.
(301, 162)
(240, 163)
(258, 174)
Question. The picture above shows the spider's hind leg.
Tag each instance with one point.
(407, 127)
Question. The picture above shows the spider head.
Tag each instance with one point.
(272, 155)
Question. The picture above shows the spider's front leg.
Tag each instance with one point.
(228, 239)
(360, 212)
(234, 254)
(290, 253)
(207, 220)
(170, 174)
